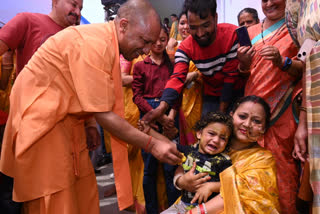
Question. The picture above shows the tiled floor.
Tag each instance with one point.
(108, 205)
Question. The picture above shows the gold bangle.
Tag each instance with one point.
(301, 108)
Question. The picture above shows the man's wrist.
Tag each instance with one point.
(163, 106)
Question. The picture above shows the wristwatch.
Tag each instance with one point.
(287, 64)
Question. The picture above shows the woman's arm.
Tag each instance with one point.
(125, 67)
(126, 79)
(245, 55)
(205, 191)
(6, 69)
(172, 43)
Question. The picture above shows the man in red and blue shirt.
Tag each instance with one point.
(213, 49)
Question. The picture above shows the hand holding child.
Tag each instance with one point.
(205, 191)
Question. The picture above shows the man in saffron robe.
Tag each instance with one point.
(76, 74)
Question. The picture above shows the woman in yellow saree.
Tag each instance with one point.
(250, 184)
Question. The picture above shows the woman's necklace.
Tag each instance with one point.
(272, 35)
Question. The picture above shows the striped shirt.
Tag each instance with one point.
(218, 64)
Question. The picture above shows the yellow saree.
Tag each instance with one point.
(250, 185)
(191, 108)
(136, 164)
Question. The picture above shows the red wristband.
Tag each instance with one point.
(149, 141)
(201, 209)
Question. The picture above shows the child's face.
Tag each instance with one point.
(160, 45)
(213, 138)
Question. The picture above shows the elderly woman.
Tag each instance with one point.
(248, 17)
(274, 76)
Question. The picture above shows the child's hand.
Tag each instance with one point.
(205, 191)
(143, 126)
(192, 182)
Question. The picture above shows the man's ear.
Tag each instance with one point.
(231, 113)
(123, 25)
(54, 2)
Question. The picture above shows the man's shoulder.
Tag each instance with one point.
(96, 30)
(187, 44)
(227, 28)
(31, 16)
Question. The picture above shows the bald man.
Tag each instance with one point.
(25, 33)
(73, 75)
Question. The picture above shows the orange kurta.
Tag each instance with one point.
(73, 74)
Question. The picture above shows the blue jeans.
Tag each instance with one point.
(150, 175)
(150, 182)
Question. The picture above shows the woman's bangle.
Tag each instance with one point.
(301, 108)
(202, 210)
(205, 209)
(149, 141)
(198, 209)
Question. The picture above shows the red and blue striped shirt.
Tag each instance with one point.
(218, 64)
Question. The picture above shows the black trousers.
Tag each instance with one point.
(7, 205)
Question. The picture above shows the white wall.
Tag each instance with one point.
(228, 9)
(9, 8)
(93, 9)
(167, 7)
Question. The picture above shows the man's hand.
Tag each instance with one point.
(93, 138)
(165, 152)
(156, 113)
(190, 181)
(191, 76)
(300, 139)
(169, 130)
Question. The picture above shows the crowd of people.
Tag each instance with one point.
(198, 122)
